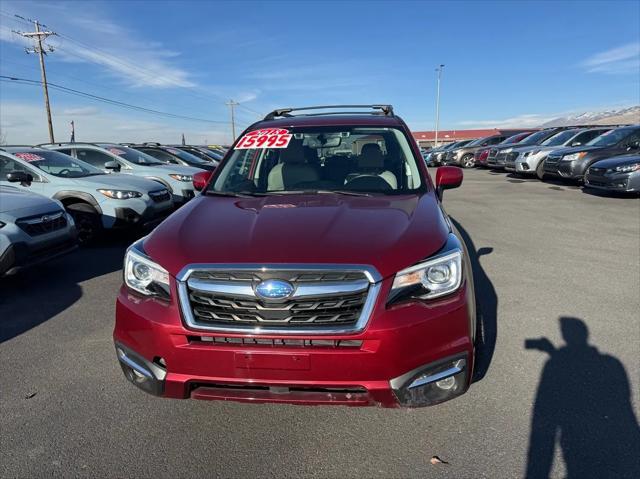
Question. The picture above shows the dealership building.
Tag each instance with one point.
(428, 138)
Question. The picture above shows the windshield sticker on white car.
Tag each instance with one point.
(116, 151)
(265, 138)
(29, 156)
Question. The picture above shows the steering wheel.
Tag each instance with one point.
(64, 171)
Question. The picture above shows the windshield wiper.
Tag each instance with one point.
(230, 194)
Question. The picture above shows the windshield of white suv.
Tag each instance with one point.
(342, 160)
(131, 155)
(611, 137)
(560, 138)
(57, 164)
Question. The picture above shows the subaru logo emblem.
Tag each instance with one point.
(44, 219)
(274, 289)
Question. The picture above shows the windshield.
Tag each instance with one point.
(58, 164)
(560, 138)
(343, 160)
(134, 156)
(187, 157)
(476, 142)
(535, 138)
(512, 139)
(611, 138)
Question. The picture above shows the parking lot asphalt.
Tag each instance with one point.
(548, 256)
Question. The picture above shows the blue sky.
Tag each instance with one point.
(507, 63)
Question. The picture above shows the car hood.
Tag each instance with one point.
(119, 181)
(575, 149)
(388, 232)
(617, 161)
(180, 169)
(14, 200)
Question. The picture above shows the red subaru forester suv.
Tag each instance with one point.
(317, 266)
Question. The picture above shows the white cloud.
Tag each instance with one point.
(524, 121)
(81, 111)
(25, 123)
(622, 59)
(94, 38)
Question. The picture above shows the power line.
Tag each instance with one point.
(108, 100)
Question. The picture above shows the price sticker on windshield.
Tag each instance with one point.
(29, 156)
(265, 138)
(116, 151)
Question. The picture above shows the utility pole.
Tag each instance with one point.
(232, 104)
(439, 70)
(41, 50)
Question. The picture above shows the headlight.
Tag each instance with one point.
(179, 177)
(574, 156)
(627, 168)
(143, 275)
(432, 278)
(120, 194)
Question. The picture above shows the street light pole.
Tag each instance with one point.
(439, 70)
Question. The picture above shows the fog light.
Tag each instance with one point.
(446, 383)
(146, 375)
(432, 384)
(525, 166)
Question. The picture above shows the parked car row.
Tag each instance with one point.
(603, 157)
(57, 195)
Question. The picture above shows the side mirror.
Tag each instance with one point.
(634, 145)
(447, 177)
(112, 165)
(201, 179)
(20, 177)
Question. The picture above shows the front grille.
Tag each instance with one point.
(42, 224)
(510, 159)
(225, 299)
(211, 307)
(493, 152)
(551, 163)
(159, 196)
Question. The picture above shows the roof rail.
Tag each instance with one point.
(286, 112)
(60, 143)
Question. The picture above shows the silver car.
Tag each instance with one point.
(33, 229)
(122, 159)
(529, 160)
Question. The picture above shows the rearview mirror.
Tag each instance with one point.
(112, 165)
(20, 177)
(201, 179)
(447, 177)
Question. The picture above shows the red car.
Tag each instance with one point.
(317, 266)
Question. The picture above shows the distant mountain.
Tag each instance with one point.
(608, 117)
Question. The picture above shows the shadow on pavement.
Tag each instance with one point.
(486, 307)
(584, 403)
(35, 295)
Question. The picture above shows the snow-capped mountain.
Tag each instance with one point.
(607, 117)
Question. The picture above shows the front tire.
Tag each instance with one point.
(468, 161)
(540, 171)
(87, 222)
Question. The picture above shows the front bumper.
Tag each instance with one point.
(21, 255)
(571, 170)
(402, 345)
(622, 182)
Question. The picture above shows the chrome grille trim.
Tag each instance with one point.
(304, 290)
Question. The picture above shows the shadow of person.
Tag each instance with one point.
(583, 401)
